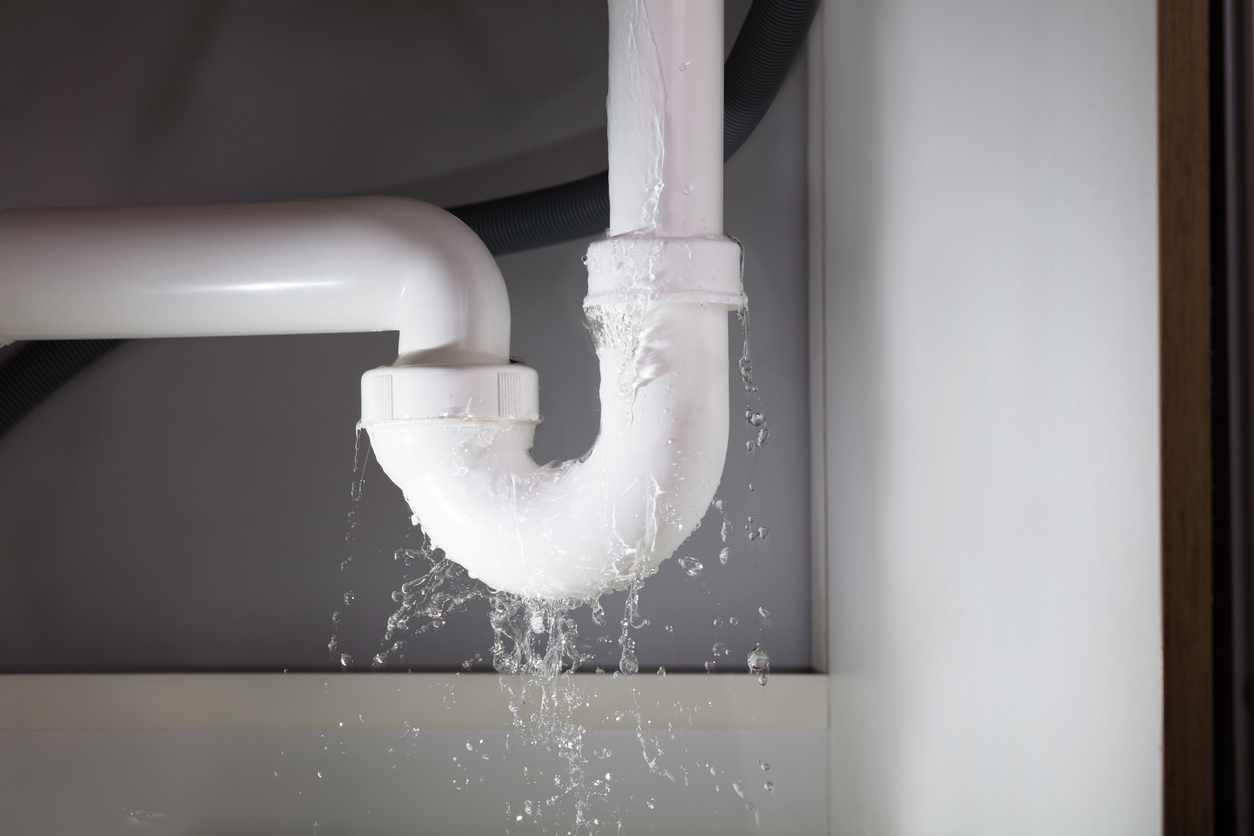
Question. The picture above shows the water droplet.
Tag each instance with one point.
(349, 597)
(718, 622)
(749, 446)
(661, 671)
(319, 774)
(755, 419)
(649, 804)
(346, 661)
(709, 666)
(683, 65)
(748, 805)
(739, 788)
(335, 618)
(333, 645)
(765, 613)
(751, 486)
(762, 434)
(759, 663)
(722, 555)
(762, 533)
(380, 659)
(670, 628)
(766, 766)
(753, 535)
(733, 621)
(726, 530)
(769, 787)
(628, 664)
(347, 565)
(602, 753)
(691, 566)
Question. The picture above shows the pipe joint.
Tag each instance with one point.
(636, 268)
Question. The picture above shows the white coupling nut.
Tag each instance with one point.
(635, 268)
(450, 393)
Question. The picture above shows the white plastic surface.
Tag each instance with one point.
(316, 266)
(666, 117)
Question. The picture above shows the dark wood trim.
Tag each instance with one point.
(1185, 375)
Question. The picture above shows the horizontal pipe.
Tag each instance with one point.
(300, 267)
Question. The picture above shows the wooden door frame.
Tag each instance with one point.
(1203, 111)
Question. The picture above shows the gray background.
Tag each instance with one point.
(182, 505)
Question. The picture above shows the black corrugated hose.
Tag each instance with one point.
(769, 41)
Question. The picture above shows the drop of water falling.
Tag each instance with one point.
(347, 565)
(748, 805)
(739, 788)
(766, 767)
(319, 774)
(733, 621)
(380, 659)
(346, 661)
(762, 533)
(764, 612)
(718, 649)
(750, 486)
(722, 555)
(335, 618)
(661, 671)
(709, 666)
(349, 598)
(726, 530)
(332, 645)
(749, 446)
(691, 566)
(769, 786)
(753, 535)
(759, 663)
(628, 664)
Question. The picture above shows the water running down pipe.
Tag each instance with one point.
(452, 422)
(659, 290)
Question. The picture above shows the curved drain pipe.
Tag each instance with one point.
(452, 422)
(659, 290)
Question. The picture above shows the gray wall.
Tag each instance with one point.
(183, 503)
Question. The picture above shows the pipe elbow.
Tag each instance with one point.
(451, 306)
(577, 529)
(294, 267)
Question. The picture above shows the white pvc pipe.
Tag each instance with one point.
(666, 117)
(659, 291)
(317, 266)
